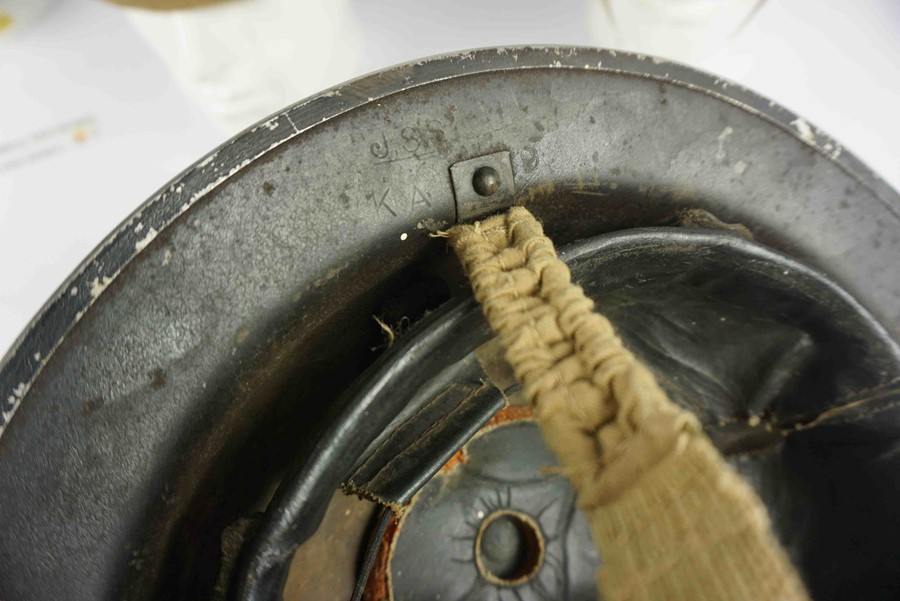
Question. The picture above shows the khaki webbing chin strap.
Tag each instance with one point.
(671, 519)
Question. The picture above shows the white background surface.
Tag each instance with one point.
(92, 122)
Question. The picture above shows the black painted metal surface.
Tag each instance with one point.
(167, 384)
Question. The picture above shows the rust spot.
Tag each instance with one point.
(157, 378)
(449, 114)
(377, 588)
(92, 405)
(510, 414)
(459, 458)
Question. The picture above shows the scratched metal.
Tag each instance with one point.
(34, 347)
(211, 331)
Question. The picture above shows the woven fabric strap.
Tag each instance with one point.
(671, 519)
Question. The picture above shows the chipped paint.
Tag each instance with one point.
(138, 228)
(13, 401)
(217, 182)
(143, 242)
(431, 225)
(330, 275)
(804, 130)
(205, 162)
(721, 155)
(167, 257)
(73, 291)
(740, 167)
(98, 285)
(834, 150)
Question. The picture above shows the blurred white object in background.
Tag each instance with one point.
(680, 30)
(245, 59)
(394, 31)
(16, 15)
